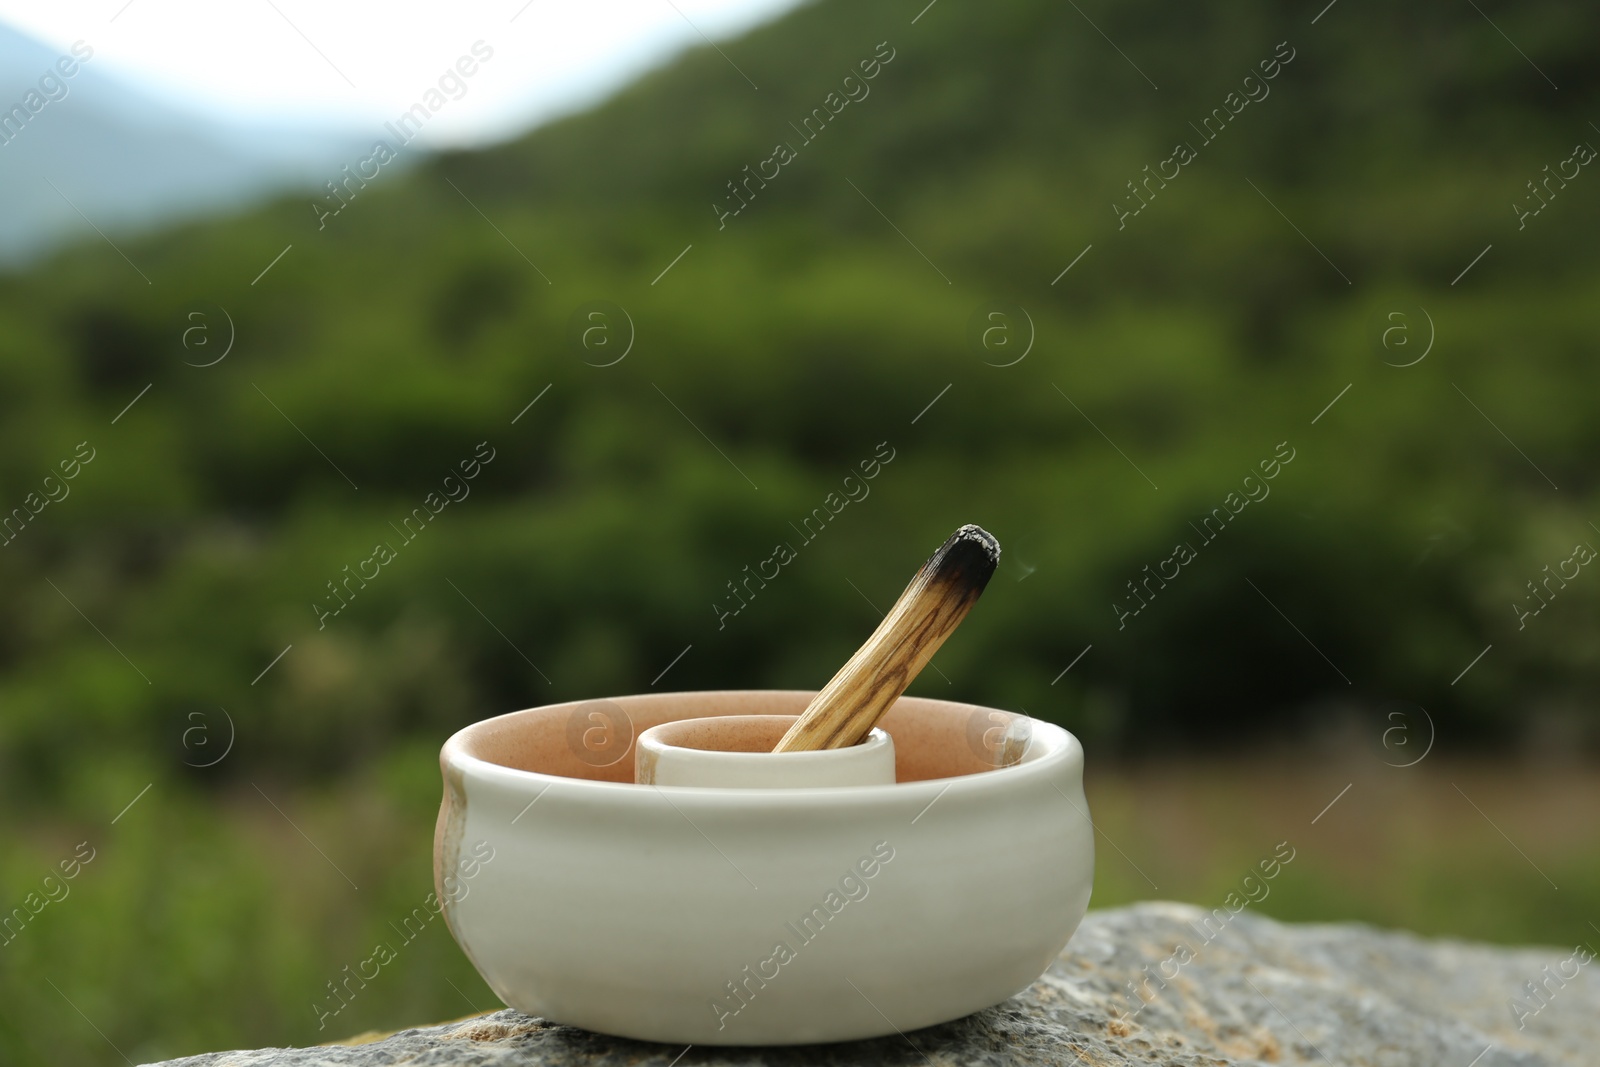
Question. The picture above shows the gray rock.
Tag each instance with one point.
(1242, 990)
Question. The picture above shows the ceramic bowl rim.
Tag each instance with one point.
(1052, 749)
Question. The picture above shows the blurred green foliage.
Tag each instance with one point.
(778, 352)
(390, 343)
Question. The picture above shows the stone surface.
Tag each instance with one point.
(1254, 992)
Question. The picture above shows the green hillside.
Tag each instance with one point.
(803, 332)
(1180, 371)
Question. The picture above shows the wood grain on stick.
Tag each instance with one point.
(932, 606)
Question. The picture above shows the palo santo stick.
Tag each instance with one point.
(932, 606)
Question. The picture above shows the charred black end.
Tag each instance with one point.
(965, 562)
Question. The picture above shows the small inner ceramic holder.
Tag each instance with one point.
(735, 752)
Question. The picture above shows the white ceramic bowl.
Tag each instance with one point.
(758, 917)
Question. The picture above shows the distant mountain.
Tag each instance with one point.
(125, 160)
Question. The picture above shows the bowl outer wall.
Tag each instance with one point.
(629, 910)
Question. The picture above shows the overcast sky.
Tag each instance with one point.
(358, 63)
